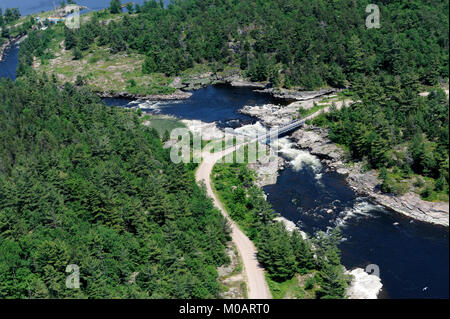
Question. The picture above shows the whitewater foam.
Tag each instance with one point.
(298, 158)
(359, 209)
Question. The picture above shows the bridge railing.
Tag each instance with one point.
(285, 128)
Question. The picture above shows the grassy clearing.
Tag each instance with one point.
(103, 71)
(307, 112)
(298, 287)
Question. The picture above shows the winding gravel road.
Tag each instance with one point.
(256, 281)
(257, 287)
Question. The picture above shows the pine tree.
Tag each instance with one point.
(115, 6)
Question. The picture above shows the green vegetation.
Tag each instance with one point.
(390, 126)
(302, 112)
(396, 130)
(12, 25)
(284, 255)
(262, 38)
(164, 125)
(86, 184)
(103, 72)
(10, 16)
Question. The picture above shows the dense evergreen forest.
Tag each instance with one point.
(289, 42)
(308, 44)
(86, 184)
(283, 254)
(8, 21)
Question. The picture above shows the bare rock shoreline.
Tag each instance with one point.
(178, 95)
(316, 141)
(8, 44)
(366, 183)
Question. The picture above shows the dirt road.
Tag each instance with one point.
(256, 282)
(257, 287)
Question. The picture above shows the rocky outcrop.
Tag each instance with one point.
(317, 142)
(363, 285)
(178, 95)
(9, 43)
(235, 78)
(298, 95)
(366, 183)
(409, 204)
(267, 170)
(278, 115)
(208, 131)
(231, 276)
(270, 114)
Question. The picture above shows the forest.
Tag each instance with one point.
(291, 43)
(308, 45)
(283, 254)
(81, 183)
(86, 184)
(8, 21)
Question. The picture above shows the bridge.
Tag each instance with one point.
(276, 132)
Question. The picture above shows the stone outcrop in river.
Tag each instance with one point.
(366, 183)
(297, 95)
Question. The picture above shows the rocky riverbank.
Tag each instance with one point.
(178, 95)
(235, 79)
(365, 183)
(9, 43)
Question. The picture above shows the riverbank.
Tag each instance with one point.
(10, 42)
(316, 140)
(177, 95)
(364, 183)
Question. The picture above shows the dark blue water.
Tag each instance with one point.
(413, 257)
(216, 103)
(34, 6)
(9, 63)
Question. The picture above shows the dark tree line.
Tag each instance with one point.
(86, 184)
(290, 42)
(283, 254)
(9, 16)
(7, 27)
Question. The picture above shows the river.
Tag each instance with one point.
(413, 257)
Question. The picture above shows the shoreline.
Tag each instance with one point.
(9, 43)
(178, 95)
(185, 89)
(366, 184)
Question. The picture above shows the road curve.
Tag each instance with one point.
(257, 287)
